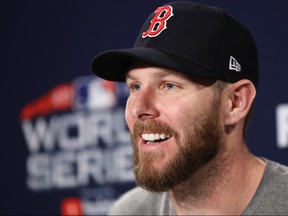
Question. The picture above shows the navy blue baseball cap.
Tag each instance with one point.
(190, 38)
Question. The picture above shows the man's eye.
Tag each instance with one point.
(136, 87)
(170, 85)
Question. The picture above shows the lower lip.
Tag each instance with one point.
(153, 146)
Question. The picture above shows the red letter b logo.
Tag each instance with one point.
(159, 22)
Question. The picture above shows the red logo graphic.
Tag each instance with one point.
(159, 22)
(71, 206)
(58, 99)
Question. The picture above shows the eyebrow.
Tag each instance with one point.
(129, 76)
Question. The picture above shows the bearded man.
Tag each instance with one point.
(192, 76)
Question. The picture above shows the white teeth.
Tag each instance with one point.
(162, 136)
(152, 137)
(157, 136)
(145, 136)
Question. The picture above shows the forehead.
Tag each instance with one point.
(142, 69)
(158, 72)
(153, 72)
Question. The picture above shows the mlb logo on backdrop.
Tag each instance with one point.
(94, 93)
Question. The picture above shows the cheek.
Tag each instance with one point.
(184, 113)
(178, 110)
(130, 120)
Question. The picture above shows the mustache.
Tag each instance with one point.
(152, 127)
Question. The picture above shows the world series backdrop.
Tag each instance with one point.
(64, 142)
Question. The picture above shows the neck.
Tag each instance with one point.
(225, 185)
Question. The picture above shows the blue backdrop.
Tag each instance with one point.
(64, 143)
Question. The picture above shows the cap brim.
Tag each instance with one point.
(113, 65)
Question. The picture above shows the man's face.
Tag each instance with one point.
(174, 126)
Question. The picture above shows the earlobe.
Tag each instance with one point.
(241, 97)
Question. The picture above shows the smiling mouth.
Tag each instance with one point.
(151, 138)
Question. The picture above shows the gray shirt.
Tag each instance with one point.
(271, 197)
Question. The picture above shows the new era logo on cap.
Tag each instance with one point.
(234, 65)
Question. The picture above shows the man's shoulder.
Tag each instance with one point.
(272, 195)
(132, 199)
(139, 201)
(277, 178)
(276, 171)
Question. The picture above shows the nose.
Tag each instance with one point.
(143, 106)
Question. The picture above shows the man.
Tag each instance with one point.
(192, 75)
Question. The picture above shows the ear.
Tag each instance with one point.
(240, 98)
